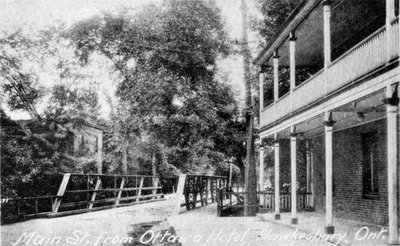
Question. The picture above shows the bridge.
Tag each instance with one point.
(81, 193)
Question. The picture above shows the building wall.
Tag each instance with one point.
(348, 200)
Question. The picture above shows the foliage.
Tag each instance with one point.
(27, 156)
(171, 100)
(37, 72)
(274, 13)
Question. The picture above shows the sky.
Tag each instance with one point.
(31, 15)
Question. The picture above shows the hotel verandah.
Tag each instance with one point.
(345, 111)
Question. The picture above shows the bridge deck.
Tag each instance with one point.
(92, 228)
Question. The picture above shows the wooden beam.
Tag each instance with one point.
(61, 192)
(120, 191)
(392, 143)
(96, 188)
(293, 161)
(179, 192)
(277, 177)
(276, 76)
(329, 228)
(140, 190)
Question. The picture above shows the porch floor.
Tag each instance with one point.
(353, 232)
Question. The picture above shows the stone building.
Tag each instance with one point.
(340, 112)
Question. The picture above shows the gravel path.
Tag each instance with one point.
(201, 227)
(107, 227)
(151, 224)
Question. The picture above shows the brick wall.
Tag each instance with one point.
(348, 200)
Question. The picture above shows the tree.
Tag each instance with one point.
(20, 83)
(274, 13)
(171, 98)
(39, 75)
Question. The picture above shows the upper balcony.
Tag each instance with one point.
(358, 48)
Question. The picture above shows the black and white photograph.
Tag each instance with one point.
(199, 122)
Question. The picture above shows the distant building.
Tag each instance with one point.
(339, 111)
(87, 139)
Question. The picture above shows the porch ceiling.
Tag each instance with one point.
(358, 113)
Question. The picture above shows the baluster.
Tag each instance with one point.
(284, 204)
(36, 206)
(366, 59)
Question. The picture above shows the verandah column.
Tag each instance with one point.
(392, 102)
(293, 161)
(261, 181)
(292, 44)
(277, 179)
(327, 40)
(276, 76)
(261, 84)
(329, 228)
(390, 15)
(309, 173)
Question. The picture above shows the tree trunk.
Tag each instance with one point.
(250, 171)
(124, 161)
(241, 166)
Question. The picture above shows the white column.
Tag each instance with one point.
(261, 83)
(392, 142)
(309, 177)
(327, 32)
(276, 76)
(293, 161)
(329, 228)
(390, 15)
(261, 181)
(277, 179)
(292, 51)
(100, 153)
(327, 41)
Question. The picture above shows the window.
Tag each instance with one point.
(96, 144)
(370, 165)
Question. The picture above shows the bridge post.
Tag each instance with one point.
(155, 187)
(179, 192)
(96, 188)
(213, 186)
(120, 191)
(208, 188)
(139, 191)
(61, 192)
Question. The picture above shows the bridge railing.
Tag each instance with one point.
(199, 190)
(79, 193)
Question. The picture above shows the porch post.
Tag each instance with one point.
(261, 83)
(327, 32)
(329, 228)
(390, 15)
(392, 102)
(276, 76)
(277, 180)
(293, 160)
(292, 44)
(309, 176)
(100, 153)
(261, 181)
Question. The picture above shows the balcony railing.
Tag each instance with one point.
(304, 202)
(230, 201)
(362, 59)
